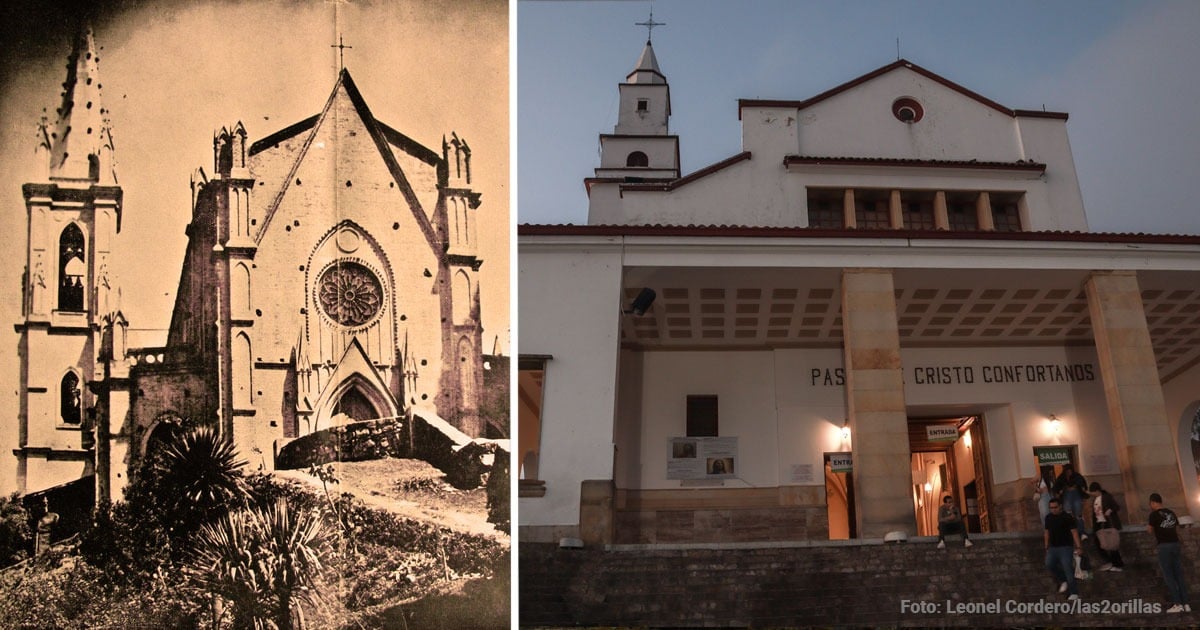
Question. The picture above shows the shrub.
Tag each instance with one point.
(15, 537)
(263, 562)
(498, 492)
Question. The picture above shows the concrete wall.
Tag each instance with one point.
(786, 407)
(1183, 406)
(859, 123)
(570, 310)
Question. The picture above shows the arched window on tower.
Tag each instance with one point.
(239, 289)
(242, 376)
(70, 409)
(637, 158)
(466, 375)
(461, 299)
(71, 269)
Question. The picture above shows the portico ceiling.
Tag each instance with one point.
(758, 308)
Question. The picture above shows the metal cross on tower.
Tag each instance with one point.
(341, 46)
(650, 24)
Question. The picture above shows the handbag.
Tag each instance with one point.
(1110, 538)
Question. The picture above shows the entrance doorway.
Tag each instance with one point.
(1051, 459)
(949, 458)
(839, 496)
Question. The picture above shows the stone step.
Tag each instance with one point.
(1001, 581)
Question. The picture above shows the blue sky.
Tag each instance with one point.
(1124, 71)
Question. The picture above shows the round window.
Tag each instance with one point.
(907, 110)
(349, 293)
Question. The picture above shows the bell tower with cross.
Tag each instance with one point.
(69, 306)
(641, 147)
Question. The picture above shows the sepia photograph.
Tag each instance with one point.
(255, 353)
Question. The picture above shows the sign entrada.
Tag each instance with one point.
(970, 374)
(942, 432)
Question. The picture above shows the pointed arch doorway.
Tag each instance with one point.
(355, 405)
(354, 399)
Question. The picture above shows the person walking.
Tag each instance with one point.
(1062, 544)
(950, 521)
(1041, 491)
(1105, 517)
(1070, 488)
(1164, 524)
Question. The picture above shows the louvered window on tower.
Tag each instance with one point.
(71, 269)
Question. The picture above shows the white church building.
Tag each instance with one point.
(888, 296)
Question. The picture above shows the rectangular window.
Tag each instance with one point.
(825, 209)
(1006, 214)
(702, 416)
(918, 211)
(961, 213)
(871, 210)
(531, 382)
(643, 105)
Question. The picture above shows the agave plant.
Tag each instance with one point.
(201, 469)
(263, 562)
(193, 478)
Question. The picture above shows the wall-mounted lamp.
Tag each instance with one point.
(928, 487)
(845, 429)
(967, 439)
(1055, 424)
(642, 302)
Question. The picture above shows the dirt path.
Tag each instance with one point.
(409, 488)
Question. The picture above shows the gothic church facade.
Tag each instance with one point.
(331, 274)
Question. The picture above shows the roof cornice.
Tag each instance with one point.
(739, 231)
(899, 63)
(1019, 165)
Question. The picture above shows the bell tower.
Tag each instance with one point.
(462, 331)
(69, 296)
(641, 147)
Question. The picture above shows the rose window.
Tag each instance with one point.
(349, 294)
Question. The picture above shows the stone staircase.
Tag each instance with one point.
(843, 583)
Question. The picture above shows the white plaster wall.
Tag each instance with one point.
(751, 192)
(1029, 404)
(660, 151)
(651, 121)
(1045, 140)
(812, 408)
(1182, 396)
(785, 413)
(570, 302)
(859, 122)
(744, 383)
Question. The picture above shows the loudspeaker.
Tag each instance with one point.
(642, 302)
